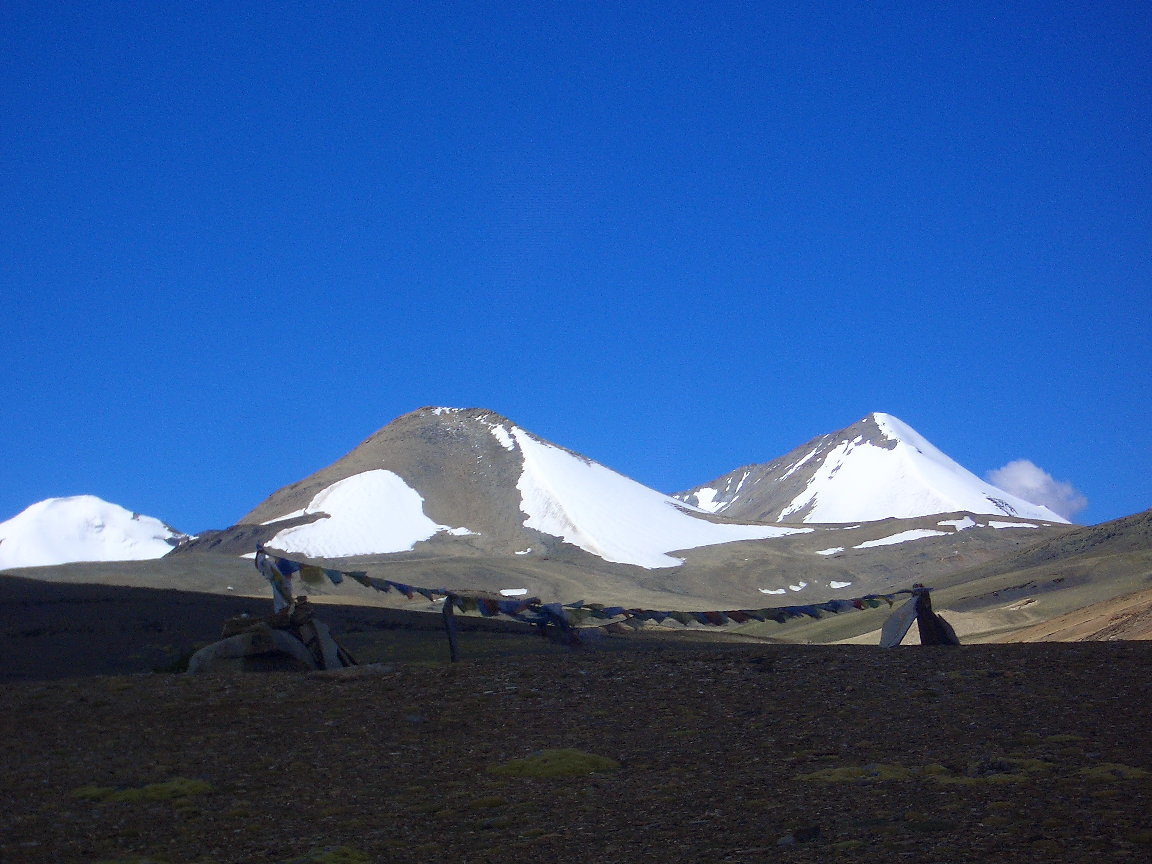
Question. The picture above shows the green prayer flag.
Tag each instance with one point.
(312, 574)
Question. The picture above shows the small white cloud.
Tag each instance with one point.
(1035, 485)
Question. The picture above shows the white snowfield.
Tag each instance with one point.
(902, 537)
(859, 481)
(371, 513)
(612, 516)
(80, 528)
(959, 524)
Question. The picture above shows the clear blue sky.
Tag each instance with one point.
(236, 239)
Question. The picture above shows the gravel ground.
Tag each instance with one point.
(983, 753)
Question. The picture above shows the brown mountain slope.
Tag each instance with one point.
(1095, 576)
(1126, 617)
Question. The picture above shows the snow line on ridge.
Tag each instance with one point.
(612, 516)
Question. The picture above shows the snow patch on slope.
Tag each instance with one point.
(861, 481)
(610, 515)
(295, 514)
(902, 537)
(959, 524)
(371, 513)
(81, 528)
(706, 500)
(799, 464)
(501, 435)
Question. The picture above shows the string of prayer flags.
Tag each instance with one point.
(279, 572)
(277, 577)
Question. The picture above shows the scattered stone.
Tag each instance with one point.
(354, 673)
(332, 855)
(488, 803)
(807, 834)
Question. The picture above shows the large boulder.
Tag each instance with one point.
(260, 649)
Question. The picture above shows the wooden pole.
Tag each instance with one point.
(450, 628)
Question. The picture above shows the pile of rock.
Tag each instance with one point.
(291, 639)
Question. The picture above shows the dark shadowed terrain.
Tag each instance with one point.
(727, 752)
(59, 630)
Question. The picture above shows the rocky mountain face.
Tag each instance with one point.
(877, 468)
(459, 462)
(469, 500)
(471, 480)
(444, 483)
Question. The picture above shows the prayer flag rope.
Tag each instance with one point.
(279, 571)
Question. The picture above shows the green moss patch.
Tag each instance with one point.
(993, 771)
(857, 773)
(1111, 772)
(177, 790)
(92, 793)
(996, 770)
(556, 763)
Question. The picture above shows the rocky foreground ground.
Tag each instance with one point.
(726, 753)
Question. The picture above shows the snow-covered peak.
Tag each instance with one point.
(610, 515)
(503, 486)
(81, 528)
(878, 468)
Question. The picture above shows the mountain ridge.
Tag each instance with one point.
(472, 478)
(448, 482)
(876, 468)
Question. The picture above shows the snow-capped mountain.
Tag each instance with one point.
(877, 468)
(82, 528)
(475, 479)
